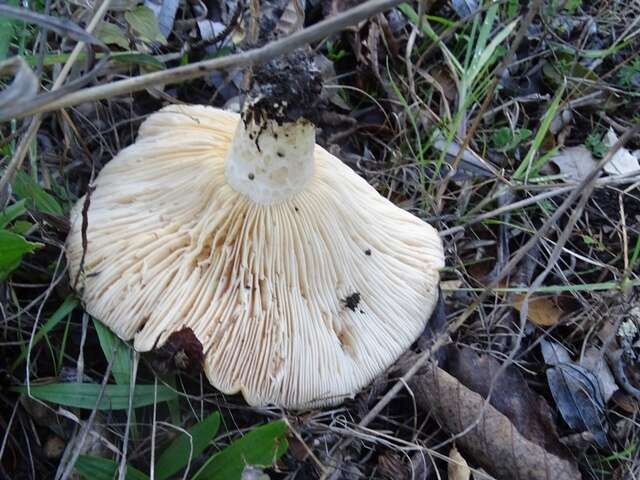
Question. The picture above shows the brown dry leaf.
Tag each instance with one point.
(511, 437)
(528, 412)
(291, 20)
(492, 440)
(574, 162)
(457, 469)
(542, 310)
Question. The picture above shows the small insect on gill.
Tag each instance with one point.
(352, 301)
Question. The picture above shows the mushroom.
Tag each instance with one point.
(300, 281)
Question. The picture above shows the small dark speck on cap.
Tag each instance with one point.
(296, 209)
(251, 176)
(367, 252)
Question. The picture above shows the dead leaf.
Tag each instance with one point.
(575, 162)
(165, 11)
(528, 412)
(594, 361)
(623, 161)
(111, 34)
(457, 469)
(471, 162)
(492, 439)
(575, 390)
(542, 310)
(464, 7)
(291, 20)
(331, 8)
(24, 85)
(391, 466)
(181, 351)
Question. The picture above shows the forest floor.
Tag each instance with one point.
(512, 127)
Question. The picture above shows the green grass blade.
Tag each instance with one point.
(412, 15)
(118, 354)
(483, 56)
(97, 468)
(85, 395)
(528, 167)
(116, 351)
(485, 30)
(261, 447)
(69, 304)
(177, 455)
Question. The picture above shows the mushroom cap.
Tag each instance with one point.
(300, 303)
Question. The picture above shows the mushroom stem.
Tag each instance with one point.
(271, 156)
(269, 161)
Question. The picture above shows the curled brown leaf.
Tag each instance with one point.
(492, 440)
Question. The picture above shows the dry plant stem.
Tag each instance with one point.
(122, 469)
(199, 69)
(23, 146)
(506, 208)
(533, 10)
(86, 428)
(384, 401)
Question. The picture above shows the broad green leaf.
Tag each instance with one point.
(116, 349)
(21, 227)
(119, 353)
(261, 448)
(11, 213)
(63, 310)
(112, 35)
(85, 395)
(97, 468)
(176, 456)
(144, 22)
(12, 248)
(26, 187)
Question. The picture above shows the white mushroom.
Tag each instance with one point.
(301, 282)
